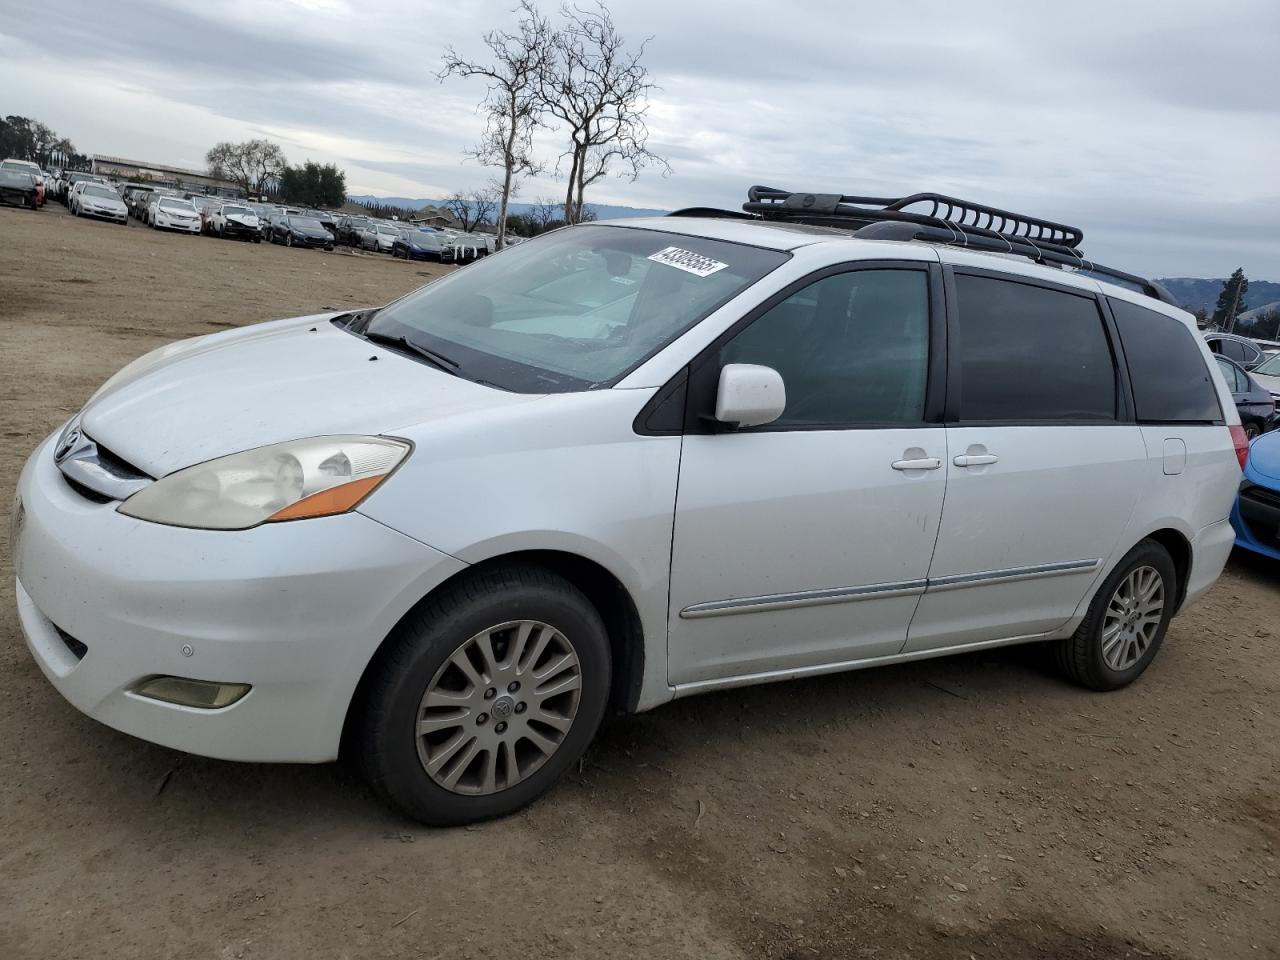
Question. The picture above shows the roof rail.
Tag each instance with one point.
(941, 219)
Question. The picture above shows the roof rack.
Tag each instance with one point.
(936, 218)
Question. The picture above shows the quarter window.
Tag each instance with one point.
(852, 349)
(1027, 353)
(1171, 383)
(1235, 380)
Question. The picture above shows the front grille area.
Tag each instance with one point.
(78, 649)
(1260, 511)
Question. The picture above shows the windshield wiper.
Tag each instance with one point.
(447, 364)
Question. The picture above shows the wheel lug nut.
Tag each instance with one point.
(520, 707)
(500, 728)
(490, 693)
(482, 719)
(513, 686)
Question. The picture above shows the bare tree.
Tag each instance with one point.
(544, 211)
(512, 105)
(600, 92)
(252, 164)
(471, 211)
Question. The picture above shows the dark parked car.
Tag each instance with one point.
(418, 245)
(18, 188)
(1256, 405)
(350, 228)
(300, 232)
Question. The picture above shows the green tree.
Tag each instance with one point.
(314, 185)
(1231, 302)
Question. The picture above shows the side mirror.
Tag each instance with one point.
(749, 395)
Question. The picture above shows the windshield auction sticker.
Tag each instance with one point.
(688, 261)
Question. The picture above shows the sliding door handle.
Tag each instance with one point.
(975, 460)
(923, 463)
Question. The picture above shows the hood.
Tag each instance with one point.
(269, 383)
(1264, 456)
(1267, 382)
(245, 218)
(309, 231)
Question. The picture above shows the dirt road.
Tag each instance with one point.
(955, 808)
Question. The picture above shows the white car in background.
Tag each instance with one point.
(621, 464)
(231, 220)
(1267, 373)
(98, 200)
(173, 213)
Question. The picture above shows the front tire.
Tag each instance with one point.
(484, 695)
(1126, 623)
(1251, 431)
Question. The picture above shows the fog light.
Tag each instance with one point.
(192, 693)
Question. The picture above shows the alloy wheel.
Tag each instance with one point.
(499, 707)
(1132, 618)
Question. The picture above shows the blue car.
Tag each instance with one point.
(1256, 515)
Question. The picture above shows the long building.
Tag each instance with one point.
(164, 175)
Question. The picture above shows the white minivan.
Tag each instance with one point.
(624, 463)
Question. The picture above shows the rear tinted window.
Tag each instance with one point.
(1030, 353)
(1170, 380)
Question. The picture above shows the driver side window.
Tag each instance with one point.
(852, 349)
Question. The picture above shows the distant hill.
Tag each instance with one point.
(1193, 293)
(603, 211)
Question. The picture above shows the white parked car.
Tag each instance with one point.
(98, 200)
(231, 220)
(617, 465)
(172, 213)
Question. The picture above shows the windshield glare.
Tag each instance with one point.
(305, 222)
(574, 309)
(102, 192)
(182, 206)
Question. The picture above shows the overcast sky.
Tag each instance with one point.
(1152, 125)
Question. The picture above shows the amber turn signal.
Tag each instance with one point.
(328, 502)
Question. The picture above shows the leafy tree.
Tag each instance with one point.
(25, 139)
(1231, 302)
(314, 185)
(255, 164)
(512, 106)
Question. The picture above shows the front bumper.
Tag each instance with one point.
(295, 609)
(164, 223)
(1256, 517)
(115, 216)
(231, 228)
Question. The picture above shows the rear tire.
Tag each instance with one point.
(520, 633)
(1126, 622)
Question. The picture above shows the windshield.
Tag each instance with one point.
(306, 222)
(178, 206)
(576, 308)
(104, 192)
(383, 228)
(10, 175)
(234, 211)
(1270, 366)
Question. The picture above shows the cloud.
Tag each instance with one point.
(1153, 126)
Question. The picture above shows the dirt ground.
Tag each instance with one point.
(972, 807)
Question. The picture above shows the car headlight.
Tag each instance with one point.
(317, 477)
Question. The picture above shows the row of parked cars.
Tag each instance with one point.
(164, 208)
(1252, 374)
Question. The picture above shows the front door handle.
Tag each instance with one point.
(975, 460)
(922, 463)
